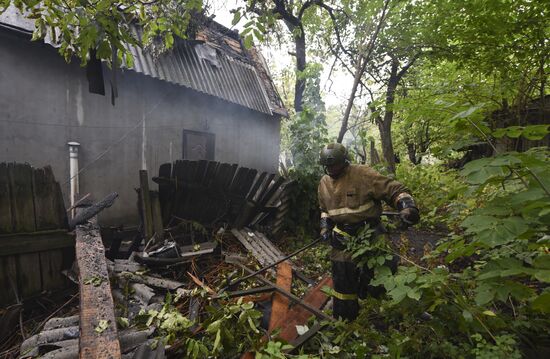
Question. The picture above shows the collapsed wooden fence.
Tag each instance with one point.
(209, 192)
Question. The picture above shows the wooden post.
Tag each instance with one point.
(145, 205)
(158, 228)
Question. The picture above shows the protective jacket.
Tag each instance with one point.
(356, 194)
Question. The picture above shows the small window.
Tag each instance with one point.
(198, 145)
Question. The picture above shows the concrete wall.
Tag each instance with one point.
(45, 103)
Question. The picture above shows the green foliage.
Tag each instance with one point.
(438, 192)
(106, 26)
(228, 330)
(306, 135)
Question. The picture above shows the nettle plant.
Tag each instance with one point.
(490, 290)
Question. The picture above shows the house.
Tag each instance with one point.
(209, 98)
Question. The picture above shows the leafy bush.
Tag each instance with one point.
(437, 191)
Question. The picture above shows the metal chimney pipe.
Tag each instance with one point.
(73, 173)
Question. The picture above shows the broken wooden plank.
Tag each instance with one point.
(298, 315)
(279, 304)
(257, 183)
(98, 332)
(255, 250)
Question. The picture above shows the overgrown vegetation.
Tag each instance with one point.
(458, 91)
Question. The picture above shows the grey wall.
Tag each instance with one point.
(45, 103)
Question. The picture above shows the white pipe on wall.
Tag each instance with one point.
(73, 172)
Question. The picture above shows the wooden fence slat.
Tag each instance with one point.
(51, 265)
(28, 274)
(44, 194)
(21, 197)
(8, 278)
(254, 189)
(165, 191)
(6, 225)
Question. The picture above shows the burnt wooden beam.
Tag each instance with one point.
(98, 332)
(86, 213)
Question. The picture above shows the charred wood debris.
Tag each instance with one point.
(207, 225)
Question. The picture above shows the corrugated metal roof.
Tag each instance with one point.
(233, 81)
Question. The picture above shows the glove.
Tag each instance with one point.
(409, 216)
(408, 212)
(326, 236)
(326, 225)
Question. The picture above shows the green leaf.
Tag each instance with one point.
(542, 261)
(217, 340)
(169, 40)
(542, 303)
(252, 325)
(484, 295)
(236, 17)
(536, 132)
(123, 322)
(414, 294)
(467, 112)
(467, 316)
(214, 326)
(102, 325)
(399, 293)
(489, 313)
(543, 275)
(248, 41)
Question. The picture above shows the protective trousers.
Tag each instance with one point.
(350, 281)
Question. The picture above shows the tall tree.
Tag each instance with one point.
(294, 15)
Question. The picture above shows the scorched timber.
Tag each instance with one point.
(98, 332)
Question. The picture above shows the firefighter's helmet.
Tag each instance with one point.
(333, 154)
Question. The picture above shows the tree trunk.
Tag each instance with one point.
(359, 71)
(374, 158)
(411, 151)
(384, 126)
(300, 85)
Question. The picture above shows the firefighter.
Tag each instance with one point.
(350, 197)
